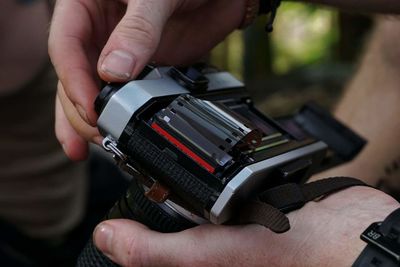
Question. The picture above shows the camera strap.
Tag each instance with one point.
(269, 208)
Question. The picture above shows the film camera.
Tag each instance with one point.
(198, 148)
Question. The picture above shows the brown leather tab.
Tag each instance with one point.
(157, 193)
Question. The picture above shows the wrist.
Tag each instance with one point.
(330, 229)
(383, 243)
(370, 214)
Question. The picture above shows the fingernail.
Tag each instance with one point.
(98, 139)
(64, 148)
(82, 112)
(119, 64)
(103, 235)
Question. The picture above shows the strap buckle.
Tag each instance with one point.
(120, 158)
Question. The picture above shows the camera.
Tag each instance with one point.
(198, 148)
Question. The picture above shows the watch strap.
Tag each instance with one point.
(391, 226)
(383, 238)
(260, 7)
(269, 7)
(374, 257)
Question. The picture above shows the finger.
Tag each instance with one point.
(67, 44)
(75, 147)
(182, 44)
(129, 243)
(80, 127)
(135, 39)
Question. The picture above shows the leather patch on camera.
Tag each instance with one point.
(157, 193)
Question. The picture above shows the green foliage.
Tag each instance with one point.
(228, 55)
(303, 35)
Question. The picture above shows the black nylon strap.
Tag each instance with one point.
(269, 7)
(161, 165)
(292, 196)
(383, 239)
(372, 257)
(267, 209)
(391, 225)
(264, 214)
(270, 206)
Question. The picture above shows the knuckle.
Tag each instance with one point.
(139, 29)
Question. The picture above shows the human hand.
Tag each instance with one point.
(324, 233)
(118, 38)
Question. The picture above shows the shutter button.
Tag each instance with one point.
(190, 78)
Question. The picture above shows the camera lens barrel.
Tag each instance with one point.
(105, 95)
(157, 216)
(134, 205)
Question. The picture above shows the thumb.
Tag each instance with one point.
(131, 244)
(135, 39)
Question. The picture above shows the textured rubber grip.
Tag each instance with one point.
(92, 257)
(136, 206)
(160, 164)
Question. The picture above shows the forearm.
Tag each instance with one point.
(381, 6)
(371, 107)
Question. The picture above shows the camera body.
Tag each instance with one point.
(199, 148)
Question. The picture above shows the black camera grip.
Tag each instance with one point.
(92, 257)
(134, 205)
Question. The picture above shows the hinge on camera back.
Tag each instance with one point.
(120, 158)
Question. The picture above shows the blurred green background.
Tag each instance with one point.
(310, 55)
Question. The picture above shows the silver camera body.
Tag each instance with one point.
(195, 133)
